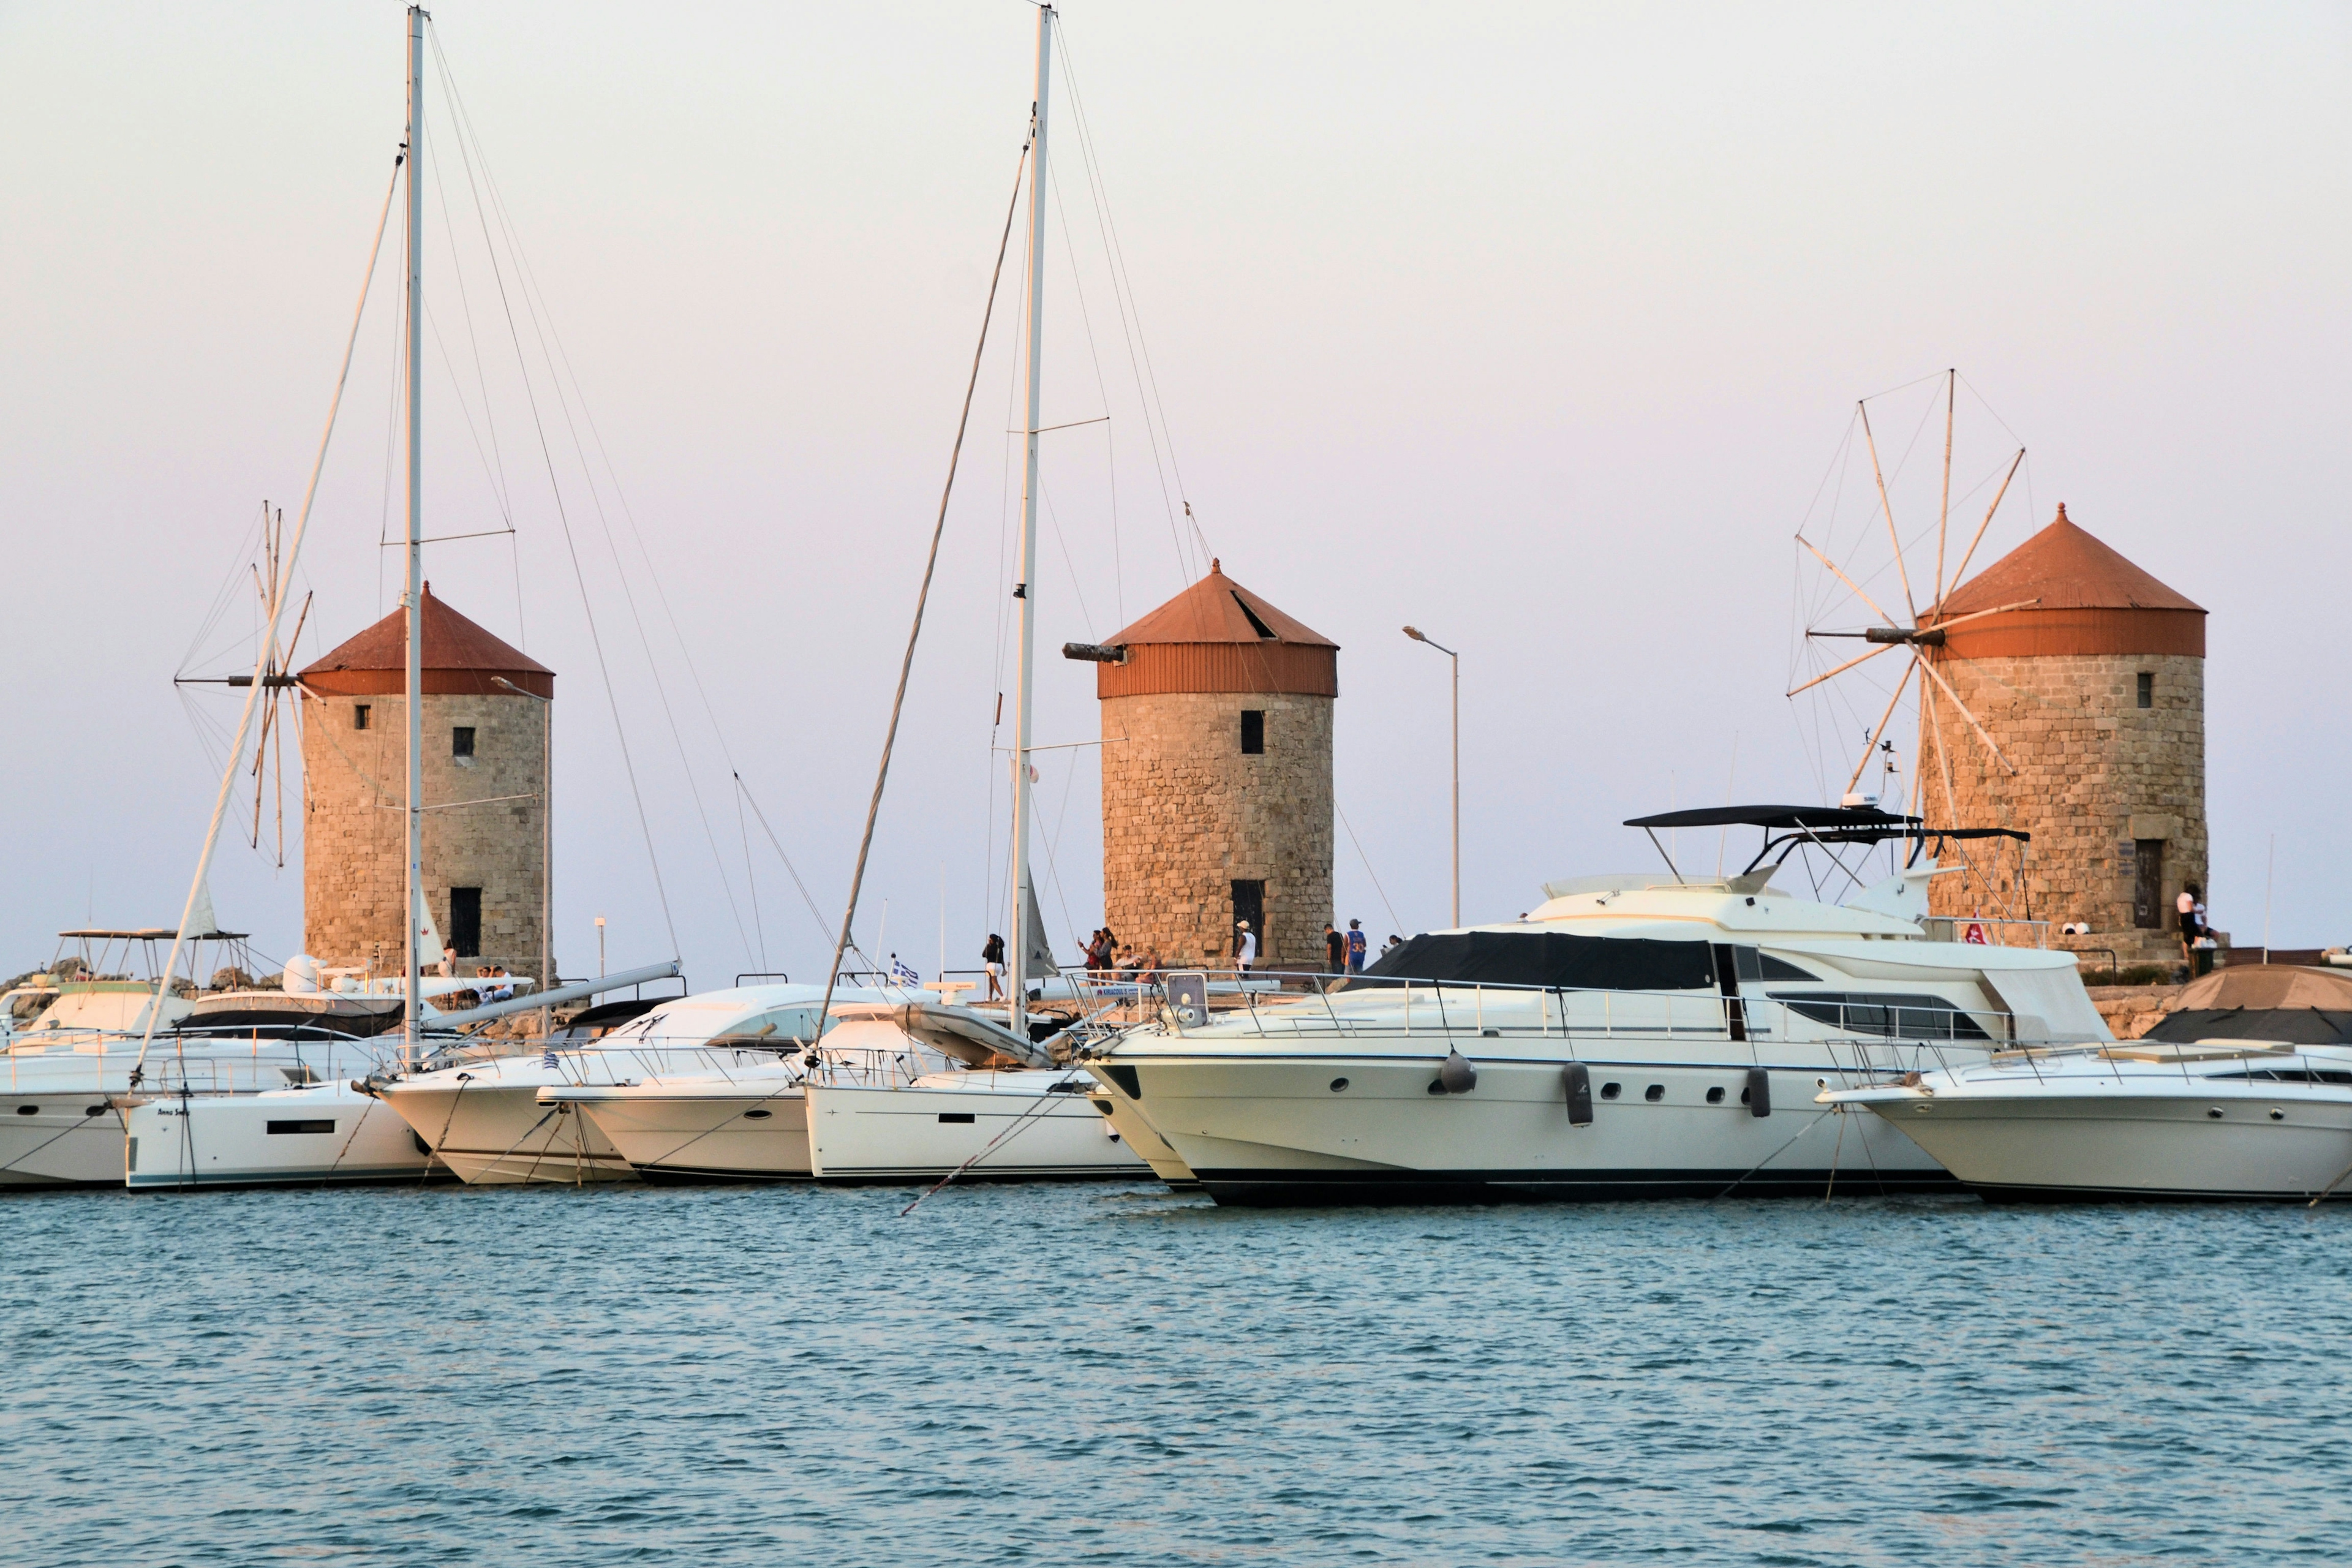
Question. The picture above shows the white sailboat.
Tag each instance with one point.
(929, 1089)
(1630, 1038)
(1035, 1120)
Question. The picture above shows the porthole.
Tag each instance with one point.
(1654, 1093)
(1715, 1095)
(2277, 1115)
(2214, 1111)
(757, 1115)
(965, 1117)
(28, 1111)
(1612, 1091)
(1339, 1084)
(93, 1111)
(1436, 1086)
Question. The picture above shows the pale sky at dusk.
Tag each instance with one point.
(1535, 327)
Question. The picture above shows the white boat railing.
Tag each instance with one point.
(1334, 1004)
(196, 1064)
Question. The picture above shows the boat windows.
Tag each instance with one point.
(962, 1117)
(1338, 1086)
(2289, 1075)
(1654, 1093)
(1549, 959)
(757, 1115)
(1756, 964)
(318, 1124)
(1612, 1091)
(1715, 1095)
(28, 1111)
(1888, 1014)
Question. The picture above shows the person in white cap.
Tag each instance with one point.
(1245, 951)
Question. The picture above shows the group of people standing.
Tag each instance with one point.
(1107, 959)
(1344, 950)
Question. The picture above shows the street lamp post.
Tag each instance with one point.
(1415, 633)
(600, 947)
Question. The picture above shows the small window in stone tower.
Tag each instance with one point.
(461, 741)
(466, 921)
(1253, 732)
(358, 715)
(2147, 689)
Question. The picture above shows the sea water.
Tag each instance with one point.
(1113, 1375)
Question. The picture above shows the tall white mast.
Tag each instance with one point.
(413, 682)
(1027, 589)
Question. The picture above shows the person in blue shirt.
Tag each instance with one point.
(1355, 945)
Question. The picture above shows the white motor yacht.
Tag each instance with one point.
(901, 1089)
(486, 1120)
(1630, 1038)
(2244, 1093)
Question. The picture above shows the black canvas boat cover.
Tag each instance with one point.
(1551, 959)
(2294, 1025)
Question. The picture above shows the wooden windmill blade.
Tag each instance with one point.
(1963, 569)
(1887, 506)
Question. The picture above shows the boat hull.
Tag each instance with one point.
(328, 1136)
(666, 1135)
(915, 1133)
(69, 1139)
(2117, 1145)
(1269, 1130)
(498, 1134)
(1135, 1129)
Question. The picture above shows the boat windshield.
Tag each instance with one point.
(1551, 959)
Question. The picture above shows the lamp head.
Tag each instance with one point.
(1414, 633)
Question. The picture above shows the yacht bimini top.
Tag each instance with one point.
(1796, 825)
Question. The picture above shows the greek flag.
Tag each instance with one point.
(547, 1059)
(900, 973)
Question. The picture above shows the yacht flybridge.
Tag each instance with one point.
(1632, 1037)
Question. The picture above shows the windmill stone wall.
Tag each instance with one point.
(1187, 811)
(355, 784)
(2112, 792)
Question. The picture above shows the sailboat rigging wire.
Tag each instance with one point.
(1394, 923)
(822, 930)
(560, 367)
(1130, 317)
(1077, 287)
(465, 306)
(922, 596)
(270, 639)
(547, 456)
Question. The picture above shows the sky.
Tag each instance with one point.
(1537, 327)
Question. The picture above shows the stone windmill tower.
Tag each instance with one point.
(486, 743)
(1216, 777)
(2085, 678)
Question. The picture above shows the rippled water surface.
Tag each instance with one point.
(1111, 1375)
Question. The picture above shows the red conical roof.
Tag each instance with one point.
(2065, 569)
(2074, 594)
(460, 658)
(1218, 609)
(1217, 635)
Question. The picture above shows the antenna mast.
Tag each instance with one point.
(1026, 591)
(413, 682)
